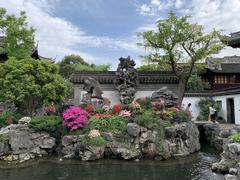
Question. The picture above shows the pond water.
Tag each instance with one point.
(193, 167)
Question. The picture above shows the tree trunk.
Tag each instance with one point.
(181, 89)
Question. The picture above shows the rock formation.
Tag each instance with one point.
(19, 143)
(94, 92)
(166, 96)
(138, 142)
(126, 81)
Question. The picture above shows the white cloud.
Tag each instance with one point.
(155, 7)
(58, 37)
(219, 14)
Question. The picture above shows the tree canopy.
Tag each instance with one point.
(30, 83)
(18, 40)
(72, 63)
(180, 44)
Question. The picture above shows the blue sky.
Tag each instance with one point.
(101, 31)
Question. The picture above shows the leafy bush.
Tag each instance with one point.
(113, 124)
(96, 141)
(184, 116)
(99, 110)
(8, 117)
(145, 102)
(195, 83)
(29, 84)
(175, 116)
(75, 117)
(235, 138)
(204, 105)
(147, 119)
(49, 124)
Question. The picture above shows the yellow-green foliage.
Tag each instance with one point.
(235, 138)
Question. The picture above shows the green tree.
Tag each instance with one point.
(195, 83)
(181, 45)
(72, 63)
(30, 83)
(67, 65)
(18, 38)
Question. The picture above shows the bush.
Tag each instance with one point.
(75, 117)
(204, 105)
(145, 103)
(29, 84)
(147, 119)
(49, 124)
(96, 141)
(175, 116)
(195, 83)
(113, 124)
(235, 138)
(99, 110)
(8, 117)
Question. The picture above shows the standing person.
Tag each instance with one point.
(188, 107)
(212, 112)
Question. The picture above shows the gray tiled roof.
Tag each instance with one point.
(108, 77)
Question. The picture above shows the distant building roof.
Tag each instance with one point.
(228, 64)
(233, 40)
(212, 93)
(108, 77)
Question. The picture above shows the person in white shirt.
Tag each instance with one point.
(212, 112)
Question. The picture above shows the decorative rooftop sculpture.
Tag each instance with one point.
(166, 96)
(126, 81)
(94, 91)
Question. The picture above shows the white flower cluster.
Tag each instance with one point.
(24, 120)
(94, 133)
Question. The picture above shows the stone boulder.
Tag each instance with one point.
(20, 143)
(133, 129)
(91, 152)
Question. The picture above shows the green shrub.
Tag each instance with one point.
(195, 83)
(4, 116)
(97, 141)
(184, 116)
(204, 105)
(49, 124)
(145, 103)
(147, 119)
(235, 138)
(99, 110)
(113, 124)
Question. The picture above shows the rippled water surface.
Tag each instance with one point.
(193, 167)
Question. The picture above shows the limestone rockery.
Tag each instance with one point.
(19, 143)
(137, 142)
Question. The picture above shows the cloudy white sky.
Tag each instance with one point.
(101, 31)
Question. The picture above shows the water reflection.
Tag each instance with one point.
(193, 167)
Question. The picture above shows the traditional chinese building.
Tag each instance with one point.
(222, 73)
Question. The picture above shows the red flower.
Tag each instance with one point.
(89, 108)
(117, 108)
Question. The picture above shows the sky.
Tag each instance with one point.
(102, 31)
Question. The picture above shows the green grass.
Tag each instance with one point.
(96, 141)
